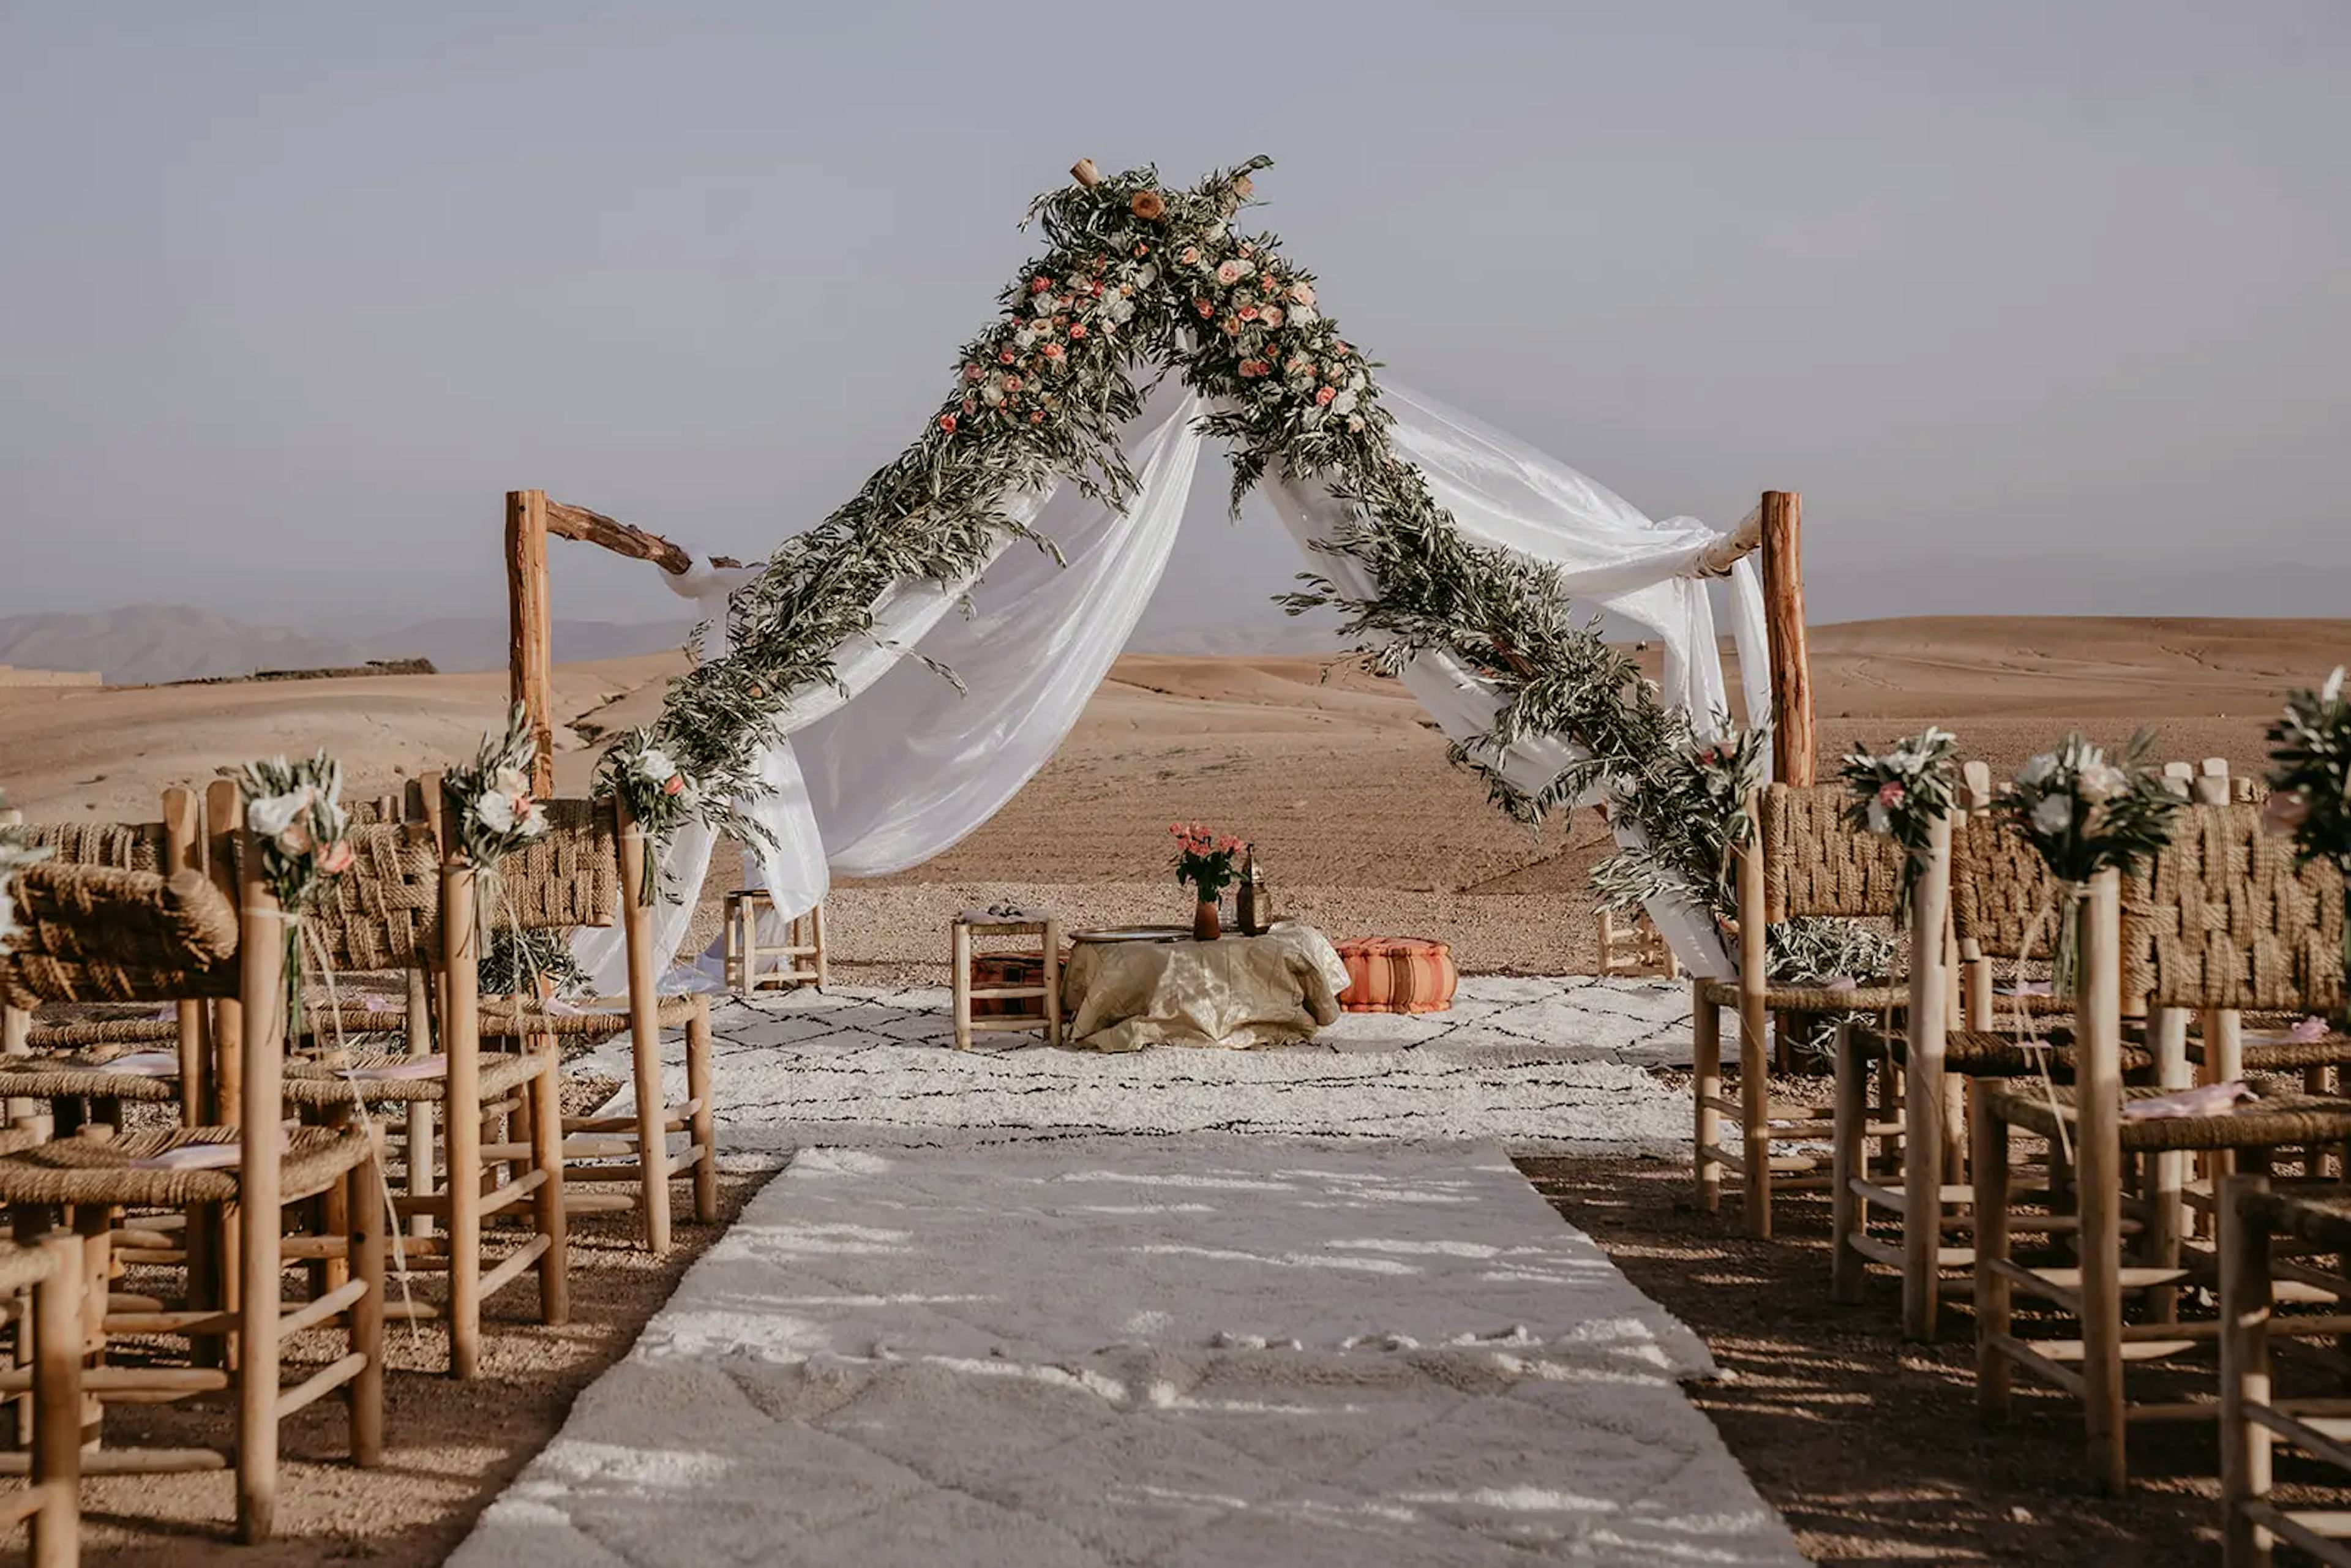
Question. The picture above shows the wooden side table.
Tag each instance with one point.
(802, 950)
(962, 936)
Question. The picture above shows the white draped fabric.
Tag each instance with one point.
(895, 764)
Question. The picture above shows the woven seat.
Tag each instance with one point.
(84, 1073)
(2331, 1050)
(87, 1170)
(2320, 1215)
(79, 1034)
(1991, 1054)
(1810, 1000)
(598, 1020)
(123, 846)
(2271, 1119)
(328, 1083)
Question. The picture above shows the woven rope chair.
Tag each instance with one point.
(2089, 1117)
(399, 908)
(1803, 860)
(48, 1277)
(588, 870)
(110, 935)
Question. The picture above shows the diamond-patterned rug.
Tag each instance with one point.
(1544, 1065)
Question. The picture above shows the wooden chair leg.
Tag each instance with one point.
(1847, 1213)
(463, 1191)
(959, 973)
(257, 1390)
(56, 1435)
(702, 1126)
(1988, 1159)
(364, 1201)
(546, 1154)
(653, 1138)
(823, 973)
(1755, 1111)
(1706, 1054)
(2245, 1305)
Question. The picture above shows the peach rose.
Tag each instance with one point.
(1149, 206)
(337, 858)
(1270, 315)
(1325, 395)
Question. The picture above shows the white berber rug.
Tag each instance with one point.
(1192, 1350)
(1543, 1065)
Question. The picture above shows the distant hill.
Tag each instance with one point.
(145, 643)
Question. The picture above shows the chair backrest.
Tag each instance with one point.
(2228, 920)
(568, 875)
(96, 934)
(1816, 863)
(124, 846)
(2000, 886)
(384, 913)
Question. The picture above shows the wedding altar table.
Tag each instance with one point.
(1231, 994)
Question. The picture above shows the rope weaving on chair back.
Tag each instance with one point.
(125, 846)
(384, 913)
(2000, 887)
(2231, 922)
(1815, 863)
(92, 934)
(569, 875)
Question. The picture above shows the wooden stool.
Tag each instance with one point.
(1633, 945)
(803, 940)
(1047, 995)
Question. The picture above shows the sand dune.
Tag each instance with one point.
(1335, 774)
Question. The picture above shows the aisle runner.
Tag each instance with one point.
(1202, 1351)
(1546, 1065)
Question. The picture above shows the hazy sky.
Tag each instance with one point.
(2044, 305)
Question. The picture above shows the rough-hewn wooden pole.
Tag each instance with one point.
(530, 654)
(1792, 746)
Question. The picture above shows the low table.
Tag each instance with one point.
(1230, 994)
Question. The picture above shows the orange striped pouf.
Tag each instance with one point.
(1397, 975)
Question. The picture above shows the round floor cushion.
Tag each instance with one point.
(1397, 975)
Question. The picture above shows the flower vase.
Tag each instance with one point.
(1205, 925)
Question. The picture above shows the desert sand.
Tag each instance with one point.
(1336, 775)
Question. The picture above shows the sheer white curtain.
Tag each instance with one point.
(902, 764)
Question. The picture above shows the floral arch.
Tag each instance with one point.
(1047, 435)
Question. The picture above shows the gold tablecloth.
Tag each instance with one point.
(1231, 994)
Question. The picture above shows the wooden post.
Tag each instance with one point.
(56, 1435)
(644, 1033)
(1792, 745)
(2098, 1094)
(1924, 1145)
(1754, 1068)
(261, 985)
(2245, 1308)
(183, 849)
(530, 654)
(461, 1034)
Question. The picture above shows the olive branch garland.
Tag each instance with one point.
(1139, 274)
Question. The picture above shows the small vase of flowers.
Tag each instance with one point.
(1206, 863)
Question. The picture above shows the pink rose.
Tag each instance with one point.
(1270, 316)
(1002, 359)
(1891, 793)
(973, 372)
(1231, 272)
(677, 785)
(1301, 294)
(1053, 351)
(1079, 330)
(1036, 416)
(1038, 285)
(1203, 307)
(947, 423)
(338, 858)
(1248, 312)
(1012, 384)
(1325, 395)
(1191, 256)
